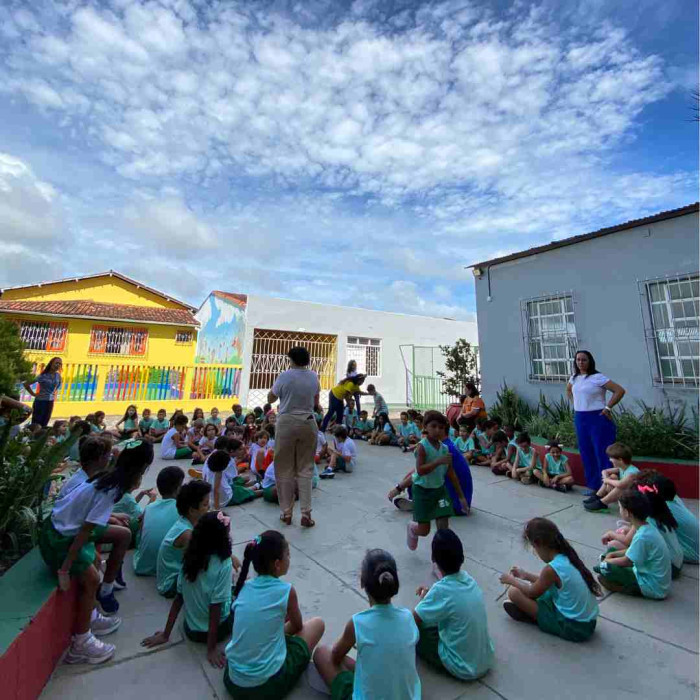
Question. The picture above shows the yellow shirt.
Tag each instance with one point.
(340, 391)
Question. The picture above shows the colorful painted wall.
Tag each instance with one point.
(221, 337)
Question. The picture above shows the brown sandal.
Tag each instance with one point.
(286, 519)
(306, 521)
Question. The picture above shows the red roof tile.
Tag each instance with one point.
(241, 299)
(97, 310)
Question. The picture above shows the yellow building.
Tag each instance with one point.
(121, 342)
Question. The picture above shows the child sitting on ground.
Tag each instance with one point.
(204, 589)
(175, 440)
(158, 518)
(128, 423)
(561, 599)
(207, 442)
(270, 645)
(451, 615)
(192, 503)
(321, 445)
(499, 463)
(662, 519)
(509, 430)
(225, 491)
(160, 426)
(385, 637)
(483, 441)
(194, 435)
(556, 473)
(249, 428)
(364, 426)
(79, 520)
(385, 433)
(408, 433)
(260, 455)
(96, 421)
(145, 423)
(464, 443)
(644, 568)
(350, 417)
(214, 419)
(526, 460)
(615, 480)
(237, 416)
(343, 453)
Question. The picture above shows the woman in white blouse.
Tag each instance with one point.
(595, 428)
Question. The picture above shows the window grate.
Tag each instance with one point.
(43, 336)
(549, 334)
(672, 329)
(113, 340)
(184, 337)
(367, 353)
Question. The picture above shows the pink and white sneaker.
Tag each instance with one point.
(91, 651)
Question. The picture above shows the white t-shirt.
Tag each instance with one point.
(297, 389)
(78, 478)
(320, 442)
(588, 391)
(168, 446)
(84, 504)
(269, 476)
(347, 449)
(227, 476)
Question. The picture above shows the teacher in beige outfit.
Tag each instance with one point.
(295, 435)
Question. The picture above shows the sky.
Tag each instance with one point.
(356, 153)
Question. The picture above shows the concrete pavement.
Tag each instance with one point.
(641, 648)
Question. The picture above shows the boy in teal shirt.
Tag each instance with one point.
(615, 480)
(364, 425)
(159, 427)
(158, 518)
(451, 615)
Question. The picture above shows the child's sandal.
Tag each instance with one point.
(306, 521)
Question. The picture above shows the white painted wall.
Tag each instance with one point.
(343, 321)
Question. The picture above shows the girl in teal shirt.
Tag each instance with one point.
(128, 423)
(561, 599)
(271, 645)
(385, 637)
(204, 588)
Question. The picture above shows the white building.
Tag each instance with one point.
(255, 332)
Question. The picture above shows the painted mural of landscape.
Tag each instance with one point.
(222, 331)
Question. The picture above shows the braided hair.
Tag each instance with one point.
(545, 533)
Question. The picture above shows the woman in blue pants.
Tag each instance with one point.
(593, 421)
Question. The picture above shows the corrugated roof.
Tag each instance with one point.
(661, 216)
(96, 310)
(109, 273)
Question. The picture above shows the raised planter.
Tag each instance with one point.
(684, 473)
(36, 621)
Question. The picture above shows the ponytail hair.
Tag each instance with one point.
(209, 537)
(659, 510)
(379, 576)
(262, 552)
(545, 533)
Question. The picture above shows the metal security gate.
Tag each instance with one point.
(270, 359)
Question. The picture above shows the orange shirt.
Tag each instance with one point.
(471, 403)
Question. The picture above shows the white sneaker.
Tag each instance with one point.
(91, 651)
(103, 625)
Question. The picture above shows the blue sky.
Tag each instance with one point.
(356, 153)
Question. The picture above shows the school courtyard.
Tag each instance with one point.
(641, 648)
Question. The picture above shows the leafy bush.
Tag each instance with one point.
(25, 472)
(461, 365)
(510, 408)
(13, 365)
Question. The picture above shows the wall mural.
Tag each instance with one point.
(222, 330)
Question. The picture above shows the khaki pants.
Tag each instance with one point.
(295, 448)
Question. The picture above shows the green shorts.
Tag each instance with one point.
(430, 504)
(183, 453)
(270, 495)
(621, 576)
(550, 620)
(54, 548)
(427, 647)
(298, 657)
(223, 632)
(343, 686)
(239, 493)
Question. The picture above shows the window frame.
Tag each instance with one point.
(188, 331)
(53, 327)
(570, 343)
(371, 343)
(98, 346)
(658, 356)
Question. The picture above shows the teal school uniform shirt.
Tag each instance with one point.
(350, 418)
(211, 586)
(258, 648)
(524, 458)
(158, 518)
(627, 471)
(160, 424)
(671, 540)
(556, 467)
(213, 421)
(405, 431)
(452, 434)
(652, 562)
(436, 478)
(386, 638)
(464, 445)
(129, 424)
(455, 605)
(688, 530)
(146, 425)
(95, 428)
(365, 425)
(574, 599)
(169, 557)
(128, 505)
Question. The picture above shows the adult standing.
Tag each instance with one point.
(337, 397)
(595, 428)
(295, 435)
(473, 407)
(49, 382)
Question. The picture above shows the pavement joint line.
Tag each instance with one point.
(651, 636)
(492, 689)
(561, 510)
(214, 694)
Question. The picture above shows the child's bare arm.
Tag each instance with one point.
(452, 476)
(343, 644)
(294, 619)
(216, 658)
(423, 467)
(533, 589)
(162, 637)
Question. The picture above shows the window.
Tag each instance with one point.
(367, 352)
(551, 338)
(184, 337)
(673, 309)
(109, 340)
(43, 336)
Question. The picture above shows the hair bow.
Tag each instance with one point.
(256, 541)
(643, 488)
(130, 444)
(223, 518)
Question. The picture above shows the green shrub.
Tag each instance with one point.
(510, 408)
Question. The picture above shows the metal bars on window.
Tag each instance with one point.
(109, 340)
(671, 314)
(43, 336)
(549, 336)
(367, 353)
